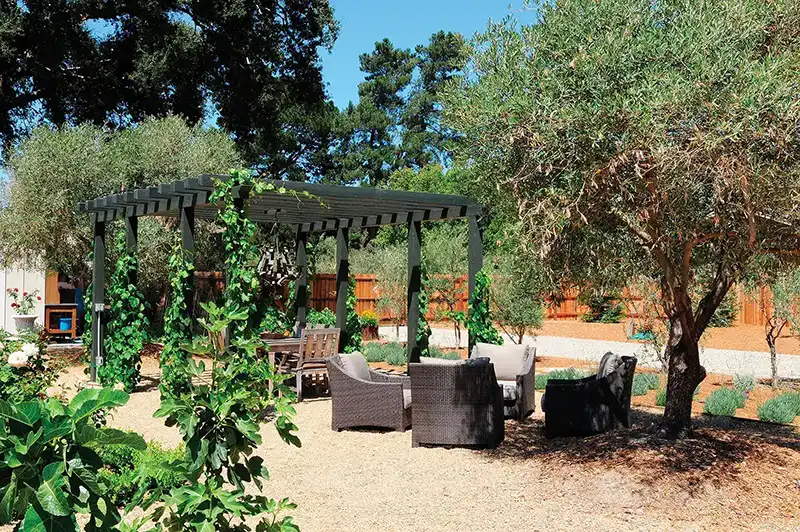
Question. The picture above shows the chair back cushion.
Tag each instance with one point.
(610, 363)
(440, 361)
(355, 365)
(508, 360)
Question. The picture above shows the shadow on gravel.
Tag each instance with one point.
(715, 452)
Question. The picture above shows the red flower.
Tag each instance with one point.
(13, 305)
(38, 298)
(24, 294)
(16, 290)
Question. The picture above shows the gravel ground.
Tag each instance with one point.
(735, 477)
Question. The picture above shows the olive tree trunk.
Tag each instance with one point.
(682, 352)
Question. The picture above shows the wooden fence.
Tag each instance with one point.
(322, 292)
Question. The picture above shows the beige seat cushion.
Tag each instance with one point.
(508, 359)
(608, 365)
(355, 365)
(406, 398)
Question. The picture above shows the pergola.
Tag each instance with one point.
(308, 208)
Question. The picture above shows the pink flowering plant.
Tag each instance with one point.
(23, 303)
(25, 375)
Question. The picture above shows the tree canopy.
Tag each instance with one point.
(54, 169)
(251, 65)
(396, 122)
(644, 137)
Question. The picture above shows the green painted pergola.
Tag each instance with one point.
(308, 208)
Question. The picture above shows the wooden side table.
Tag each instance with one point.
(52, 314)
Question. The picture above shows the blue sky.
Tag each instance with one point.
(406, 23)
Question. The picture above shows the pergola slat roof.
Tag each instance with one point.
(311, 207)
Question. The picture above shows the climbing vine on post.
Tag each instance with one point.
(423, 327)
(86, 337)
(479, 320)
(353, 324)
(127, 325)
(177, 324)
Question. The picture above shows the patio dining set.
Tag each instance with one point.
(456, 402)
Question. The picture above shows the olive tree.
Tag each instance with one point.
(55, 168)
(642, 137)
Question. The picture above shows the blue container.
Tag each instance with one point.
(64, 324)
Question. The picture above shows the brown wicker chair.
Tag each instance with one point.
(515, 367)
(362, 397)
(457, 404)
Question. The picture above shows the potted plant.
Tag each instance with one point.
(24, 305)
(369, 325)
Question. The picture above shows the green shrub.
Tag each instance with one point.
(19, 384)
(127, 470)
(661, 397)
(778, 409)
(50, 461)
(563, 374)
(373, 352)
(724, 402)
(324, 317)
(395, 354)
(644, 382)
(744, 383)
(603, 308)
(479, 318)
(369, 318)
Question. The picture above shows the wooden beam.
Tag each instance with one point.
(414, 287)
(342, 283)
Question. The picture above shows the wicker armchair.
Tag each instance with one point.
(457, 404)
(515, 367)
(362, 397)
(592, 405)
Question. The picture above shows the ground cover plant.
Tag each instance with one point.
(724, 402)
(744, 383)
(563, 374)
(49, 461)
(644, 382)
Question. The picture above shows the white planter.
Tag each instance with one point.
(25, 322)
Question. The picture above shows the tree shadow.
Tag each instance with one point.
(715, 452)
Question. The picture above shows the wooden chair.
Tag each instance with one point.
(316, 345)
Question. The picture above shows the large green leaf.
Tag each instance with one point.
(90, 403)
(106, 436)
(27, 413)
(37, 520)
(56, 428)
(9, 495)
(87, 475)
(50, 493)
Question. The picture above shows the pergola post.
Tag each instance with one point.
(187, 245)
(301, 284)
(342, 283)
(474, 258)
(98, 294)
(414, 287)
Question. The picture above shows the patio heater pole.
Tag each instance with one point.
(342, 283)
(301, 284)
(475, 258)
(98, 294)
(414, 287)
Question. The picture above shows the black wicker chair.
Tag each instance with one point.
(591, 405)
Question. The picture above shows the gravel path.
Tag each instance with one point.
(727, 361)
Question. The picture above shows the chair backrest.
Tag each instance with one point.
(318, 344)
(508, 360)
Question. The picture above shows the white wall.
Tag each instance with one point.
(26, 281)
